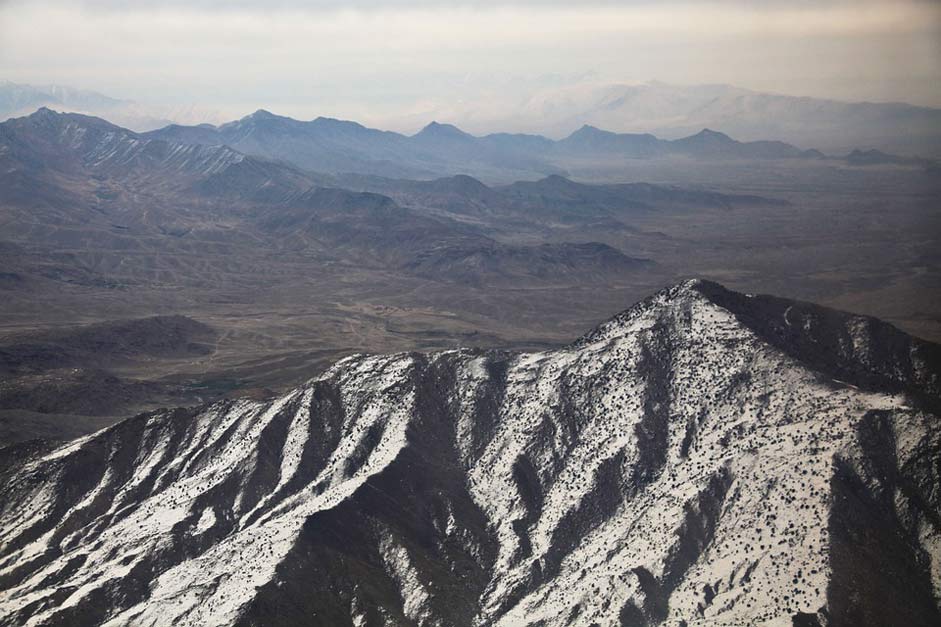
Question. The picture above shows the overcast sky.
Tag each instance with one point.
(360, 57)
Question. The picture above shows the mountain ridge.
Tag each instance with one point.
(668, 110)
(336, 147)
(672, 111)
(671, 461)
(437, 137)
(206, 188)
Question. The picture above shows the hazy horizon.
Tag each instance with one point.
(412, 121)
(399, 65)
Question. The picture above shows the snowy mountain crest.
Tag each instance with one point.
(706, 457)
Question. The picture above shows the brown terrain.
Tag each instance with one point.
(165, 269)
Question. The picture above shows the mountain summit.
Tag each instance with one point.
(436, 134)
(705, 457)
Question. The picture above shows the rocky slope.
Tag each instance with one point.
(706, 457)
(72, 182)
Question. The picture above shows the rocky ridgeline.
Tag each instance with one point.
(705, 457)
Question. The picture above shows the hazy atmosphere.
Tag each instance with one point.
(397, 63)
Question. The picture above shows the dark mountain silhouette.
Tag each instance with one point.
(341, 147)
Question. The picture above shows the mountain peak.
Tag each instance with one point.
(836, 343)
(435, 129)
(588, 129)
(45, 114)
(47, 117)
(260, 116)
(684, 451)
(708, 133)
(258, 119)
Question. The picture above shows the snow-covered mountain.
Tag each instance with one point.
(99, 144)
(705, 457)
(81, 145)
(17, 100)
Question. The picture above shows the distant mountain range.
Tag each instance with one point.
(674, 111)
(80, 175)
(668, 111)
(81, 182)
(18, 100)
(338, 147)
(24, 99)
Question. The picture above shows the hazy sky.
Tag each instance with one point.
(365, 59)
